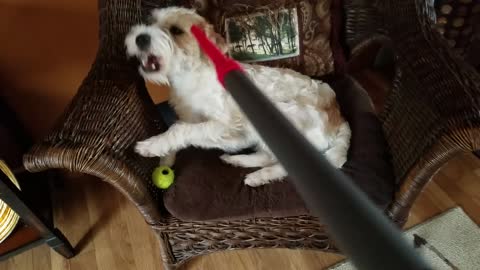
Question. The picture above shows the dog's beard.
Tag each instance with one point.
(154, 77)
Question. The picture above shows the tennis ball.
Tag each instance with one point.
(163, 177)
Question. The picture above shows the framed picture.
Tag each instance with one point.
(263, 36)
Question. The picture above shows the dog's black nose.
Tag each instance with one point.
(143, 41)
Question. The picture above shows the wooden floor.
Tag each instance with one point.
(110, 234)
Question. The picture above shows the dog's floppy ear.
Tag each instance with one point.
(215, 37)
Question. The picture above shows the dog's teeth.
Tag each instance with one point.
(152, 66)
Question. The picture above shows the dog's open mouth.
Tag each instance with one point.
(150, 63)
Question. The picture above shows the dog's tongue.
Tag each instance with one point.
(151, 64)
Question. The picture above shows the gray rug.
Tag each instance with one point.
(446, 241)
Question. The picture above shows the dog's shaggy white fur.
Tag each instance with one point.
(210, 118)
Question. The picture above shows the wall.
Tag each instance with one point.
(46, 50)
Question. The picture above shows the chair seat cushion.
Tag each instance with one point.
(207, 189)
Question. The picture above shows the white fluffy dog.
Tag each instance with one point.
(209, 117)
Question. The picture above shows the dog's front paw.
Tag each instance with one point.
(144, 148)
(152, 147)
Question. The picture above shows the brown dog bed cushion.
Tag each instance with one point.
(207, 189)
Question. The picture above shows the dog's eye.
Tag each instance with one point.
(175, 30)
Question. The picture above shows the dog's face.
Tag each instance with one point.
(167, 45)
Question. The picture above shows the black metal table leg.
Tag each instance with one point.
(60, 244)
(51, 236)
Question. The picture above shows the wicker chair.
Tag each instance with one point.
(431, 115)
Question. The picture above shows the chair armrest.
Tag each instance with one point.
(111, 111)
(433, 111)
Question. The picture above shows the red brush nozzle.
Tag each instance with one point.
(223, 64)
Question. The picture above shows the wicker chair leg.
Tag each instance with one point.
(442, 152)
(168, 259)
